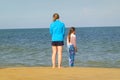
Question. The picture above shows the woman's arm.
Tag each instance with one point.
(51, 31)
(63, 30)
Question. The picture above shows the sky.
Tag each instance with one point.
(78, 13)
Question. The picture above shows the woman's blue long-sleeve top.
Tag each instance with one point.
(57, 30)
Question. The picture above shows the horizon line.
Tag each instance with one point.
(66, 27)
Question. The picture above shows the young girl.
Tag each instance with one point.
(71, 43)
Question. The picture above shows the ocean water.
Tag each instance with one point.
(97, 47)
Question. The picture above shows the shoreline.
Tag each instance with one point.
(65, 73)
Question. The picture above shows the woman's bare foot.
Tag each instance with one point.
(59, 67)
(53, 67)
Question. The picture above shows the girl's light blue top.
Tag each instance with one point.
(57, 30)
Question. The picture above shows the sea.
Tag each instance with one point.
(97, 47)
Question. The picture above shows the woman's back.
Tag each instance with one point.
(57, 30)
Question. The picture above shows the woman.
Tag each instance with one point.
(57, 31)
(71, 43)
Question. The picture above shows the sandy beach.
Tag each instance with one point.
(47, 73)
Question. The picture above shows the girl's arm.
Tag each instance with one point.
(67, 41)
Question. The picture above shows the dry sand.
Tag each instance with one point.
(47, 73)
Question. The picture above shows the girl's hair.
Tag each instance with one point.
(55, 16)
(72, 29)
